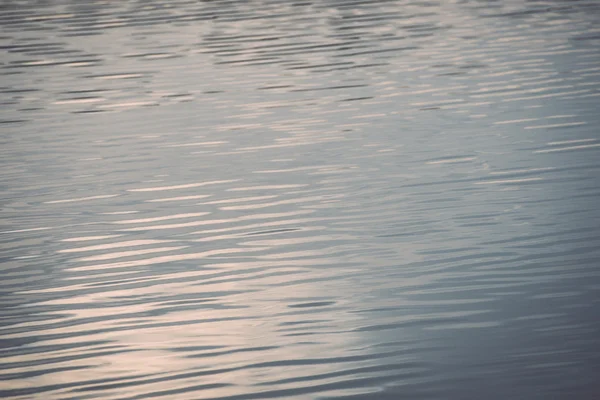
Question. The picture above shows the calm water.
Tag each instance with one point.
(300, 200)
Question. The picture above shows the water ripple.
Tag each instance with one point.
(340, 199)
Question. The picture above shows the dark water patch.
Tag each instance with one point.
(12, 121)
(313, 304)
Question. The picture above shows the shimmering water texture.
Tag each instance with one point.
(271, 199)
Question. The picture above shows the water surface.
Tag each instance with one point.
(300, 200)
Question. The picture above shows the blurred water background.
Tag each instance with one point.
(334, 199)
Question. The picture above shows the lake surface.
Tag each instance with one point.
(300, 200)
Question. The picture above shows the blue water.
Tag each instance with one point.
(300, 200)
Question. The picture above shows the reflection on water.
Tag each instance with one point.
(300, 200)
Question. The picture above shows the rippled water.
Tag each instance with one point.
(300, 200)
